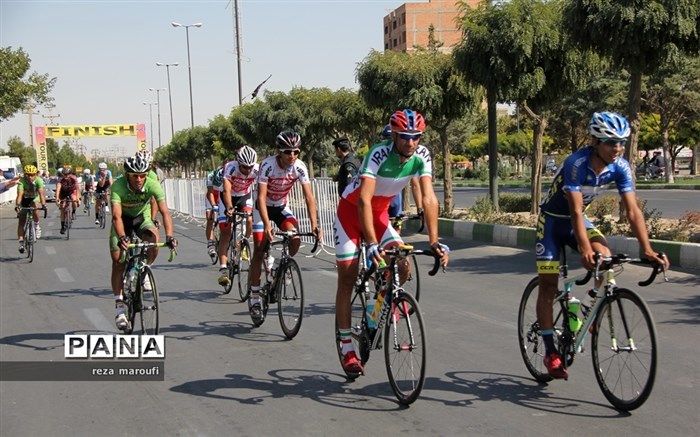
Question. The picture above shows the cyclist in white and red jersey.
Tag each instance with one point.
(363, 213)
(278, 173)
(239, 178)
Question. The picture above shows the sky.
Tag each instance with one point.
(103, 54)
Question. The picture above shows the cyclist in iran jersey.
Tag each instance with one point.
(363, 214)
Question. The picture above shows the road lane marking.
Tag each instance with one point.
(98, 320)
(50, 250)
(63, 274)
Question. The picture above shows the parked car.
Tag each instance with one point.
(50, 189)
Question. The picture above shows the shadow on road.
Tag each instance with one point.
(686, 309)
(238, 331)
(100, 292)
(40, 341)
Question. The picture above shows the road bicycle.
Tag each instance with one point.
(623, 335)
(67, 208)
(239, 255)
(29, 230)
(213, 245)
(101, 199)
(412, 284)
(399, 323)
(87, 202)
(283, 284)
(140, 302)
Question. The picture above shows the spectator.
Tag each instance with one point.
(6, 185)
(349, 164)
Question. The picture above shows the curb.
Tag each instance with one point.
(686, 255)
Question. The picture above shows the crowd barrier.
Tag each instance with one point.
(186, 198)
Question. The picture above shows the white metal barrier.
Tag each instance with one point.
(186, 197)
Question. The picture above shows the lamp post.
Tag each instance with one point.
(189, 65)
(150, 114)
(170, 94)
(158, 90)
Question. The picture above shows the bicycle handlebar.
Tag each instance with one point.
(31, 209)
(400, 251)
(146, 245)
(606, 262)
(290, 234)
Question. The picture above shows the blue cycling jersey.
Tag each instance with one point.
(576, 175)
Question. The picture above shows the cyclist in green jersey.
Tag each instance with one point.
(30, 190)
(131, 212)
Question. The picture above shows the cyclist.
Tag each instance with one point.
(239, 177)
(363, 213)
(30, 189)
(131, 213)
(277, 176)
(104, 181)
(67, 189)
(88, 186)
(562, 221)
(215, 184)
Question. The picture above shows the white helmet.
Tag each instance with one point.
(102, 166)
(246, 156)
(136, 164)
(86, 171)
(59, 171)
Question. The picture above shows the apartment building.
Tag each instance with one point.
(407, 26)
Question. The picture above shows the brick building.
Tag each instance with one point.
(407, 25)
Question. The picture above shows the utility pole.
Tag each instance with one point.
(237, 24)
(30, 111)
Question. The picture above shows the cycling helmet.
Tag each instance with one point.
(246, 156)
(288, 140)
(386, 132)
(30, 170)
(608, 126)
(86, 172)
(217, 177)
(136, 164)
(67, 170)
(59, 171)
(102, 166)
(407, 120)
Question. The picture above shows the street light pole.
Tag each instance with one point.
(189, 64)
(238, 51)
(170, 94)
(158, 90)
(150, 113)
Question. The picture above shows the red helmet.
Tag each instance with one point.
(407, 120)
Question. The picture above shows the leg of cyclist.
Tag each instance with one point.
(24, 203)
(224, 238)
(259, 243)
(121, 317)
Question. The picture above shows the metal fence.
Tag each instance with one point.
(186, 198)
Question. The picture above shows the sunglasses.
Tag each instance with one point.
(246, 167)
(410, 136)
(294, 152)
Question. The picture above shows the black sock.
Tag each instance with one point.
(548, 339)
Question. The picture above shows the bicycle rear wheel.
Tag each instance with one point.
(147, 304)
(405, 348)
(215, 258)
(623, 348)
(529, 338)
(244, 256)
(290, 298)
(358, 332)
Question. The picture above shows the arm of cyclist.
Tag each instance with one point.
(18, 199)
(575, 199)
(119, 225)
(311, 208)
(167, 224)
(58, 195)
(364, 206)
(417, 193)
(42, 197)
(262, 208)
(639, 228)
(430, 207)
(227, 197)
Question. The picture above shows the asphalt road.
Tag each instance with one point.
(671, 203)
(223, 377)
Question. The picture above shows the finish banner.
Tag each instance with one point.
(42, 155)
(137, 130)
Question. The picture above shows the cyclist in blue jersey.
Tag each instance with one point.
(562, 221)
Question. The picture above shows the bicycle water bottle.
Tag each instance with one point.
(371, 321)
(269, 262)
(573, 306)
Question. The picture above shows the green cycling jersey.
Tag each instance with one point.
(134, 203)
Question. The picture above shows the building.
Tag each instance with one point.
(407, 26)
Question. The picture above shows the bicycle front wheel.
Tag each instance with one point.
(405, 348)
(244, 256)
(529, 338)
(623, 348)
(290, 298)
(29, 238)
(147, 303)
(412, 284)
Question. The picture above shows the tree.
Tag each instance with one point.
(16, 147)
(673, 92)
(637, 35)
(426, 81)
(17, 90)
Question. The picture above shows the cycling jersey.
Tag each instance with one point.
(383, 165)
(241, 184)
(280, 180)
(105, 175)
(30, 190)
(134, 203)
(576, 175)
(89, 182)
(69, 184)
(210, 181)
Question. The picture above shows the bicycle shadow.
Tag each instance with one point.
(686, 309)
(201, 295)
(224, 328)
(516, 389)
(324, 387)
(98, 292)
(34, 340)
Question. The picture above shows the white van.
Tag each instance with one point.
(10, 166)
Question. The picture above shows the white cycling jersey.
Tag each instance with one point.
(280, 180)
(240, 184)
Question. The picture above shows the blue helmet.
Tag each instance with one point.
(608, 126)
(386, 132)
